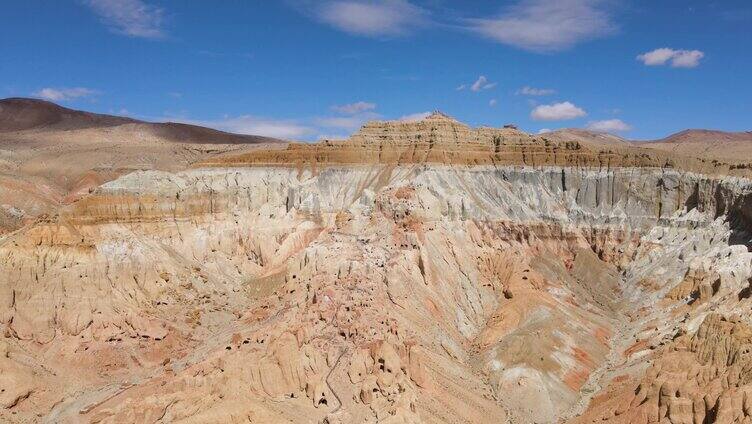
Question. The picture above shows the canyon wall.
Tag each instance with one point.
(346, 293)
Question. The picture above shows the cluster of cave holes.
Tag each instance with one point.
(746, 292)
(245, 342)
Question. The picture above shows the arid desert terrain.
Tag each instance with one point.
(421, 271)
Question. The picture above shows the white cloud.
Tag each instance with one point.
(557, 112)
(608, 126)
(543, 130)
(347, 122)
(253, 125)
(63, 94)
(122, 112)
(357, 114)
(461, 87)
(687, 58)
(332, 137)
(271, 128)
(415, 117)
(372, 19)
(133, 18)
(309, 128)
(547, 25)
(532, 91)
(482, 83)
(678, 58)
(353, 108)
(656, 57)
(493, 102)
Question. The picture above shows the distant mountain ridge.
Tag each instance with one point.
(704, 136)
(586, 137)
(24, 114)
(733, 147)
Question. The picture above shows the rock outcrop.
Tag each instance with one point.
(700, 378)
(439, 139)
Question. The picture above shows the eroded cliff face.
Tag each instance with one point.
(355, 293)
(388, 290)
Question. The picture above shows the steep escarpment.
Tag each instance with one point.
(388, 290)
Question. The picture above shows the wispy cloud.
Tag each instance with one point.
(482, 83)
(254, 125)
(353, 108)
(609, 126)
(493, 102)
(736, 14)
(557, 112)
(132, 18)
(386, 18)
(332, 137)
(677, 58)
(532, 91)
(348, 119)
(63, 94)
(547, 25)
(355, 115)
(352, 122)
(122, 112)
(415, 117)
(223, 54)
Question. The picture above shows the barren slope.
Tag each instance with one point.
(39, 116)
(732, 147)
(591, 138)
(50, 155)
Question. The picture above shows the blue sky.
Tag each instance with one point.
(303, 69)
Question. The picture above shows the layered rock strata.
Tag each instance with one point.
(443, 140)
(383, 291)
